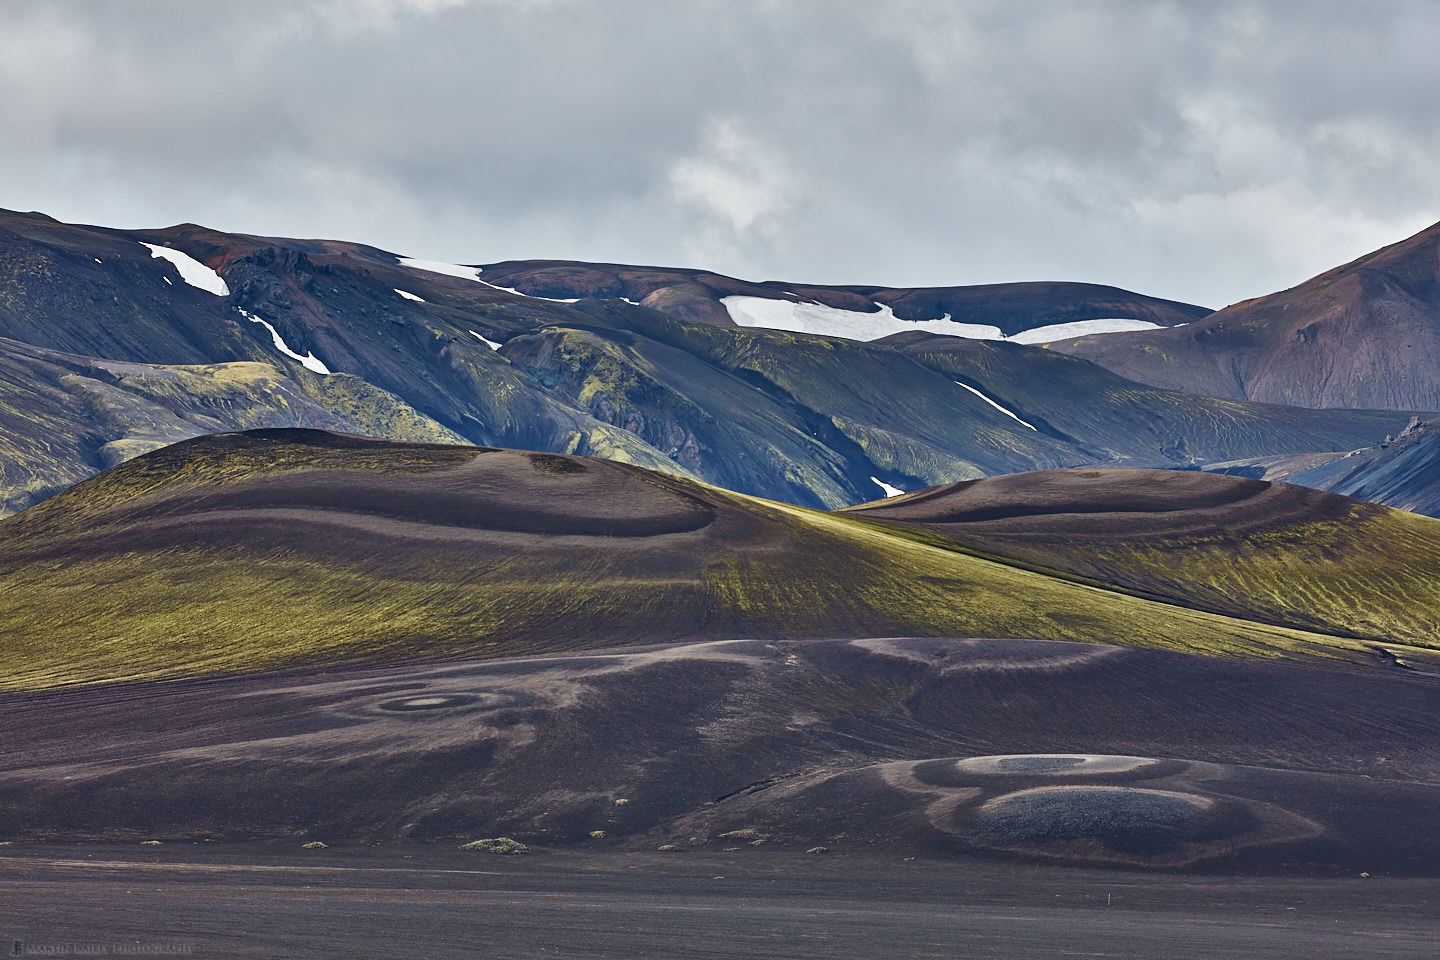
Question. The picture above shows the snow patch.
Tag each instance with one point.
(192, 271)
(309, 361)
(850, 324)
(167, 281)
(1008, 413)
(446, 269)
(489, 343)
(98, 260)
(467, 273)
(496, 286)
(889, 490)
(809, 317)
(1080, 328)
(407, 295)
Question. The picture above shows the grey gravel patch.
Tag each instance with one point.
(1048, 814)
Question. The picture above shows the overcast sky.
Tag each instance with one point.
(1203, 151)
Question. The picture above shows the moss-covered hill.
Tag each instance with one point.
(1244, 548)
(259, 550)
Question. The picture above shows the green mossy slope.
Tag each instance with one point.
(1239, 547)
(253, 551)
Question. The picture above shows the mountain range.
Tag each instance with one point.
(117, 341)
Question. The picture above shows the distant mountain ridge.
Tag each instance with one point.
(1011, 308)
(1363, 335)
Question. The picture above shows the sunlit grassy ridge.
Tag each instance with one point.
(255, 551)
(1269, 552)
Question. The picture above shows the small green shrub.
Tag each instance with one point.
(501, 845)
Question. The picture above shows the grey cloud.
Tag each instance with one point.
(1203, 151)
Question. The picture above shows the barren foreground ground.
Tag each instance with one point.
(974, 798)
(425, 900)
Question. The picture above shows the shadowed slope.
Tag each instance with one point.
(1273, 552)
(1403, 473)
(1128, 422)
(65, 417)
(246, 551)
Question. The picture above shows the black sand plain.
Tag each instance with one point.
(251, 901)
(991, 798)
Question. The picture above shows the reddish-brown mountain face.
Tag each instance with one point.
(1365, 335)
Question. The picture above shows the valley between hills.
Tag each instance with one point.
(325, 563)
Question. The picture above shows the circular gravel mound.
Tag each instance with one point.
(1052, 764)
(432, 702)
(1118, 816)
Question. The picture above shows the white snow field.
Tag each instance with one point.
(807, 317)
(408, 295)
(1080, 328)
(309, 361)
(192, 271)
(489, 343)
(850, 324)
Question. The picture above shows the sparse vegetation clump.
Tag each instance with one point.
(497, 845)
(597, 834)
(818, 850)
(314, 845)
(550, 463)
(669, 848)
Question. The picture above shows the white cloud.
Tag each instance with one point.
(1206, 152)
(739, 187)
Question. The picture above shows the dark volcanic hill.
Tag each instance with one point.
(1364, 335)
(388, 345)
(276, 548)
